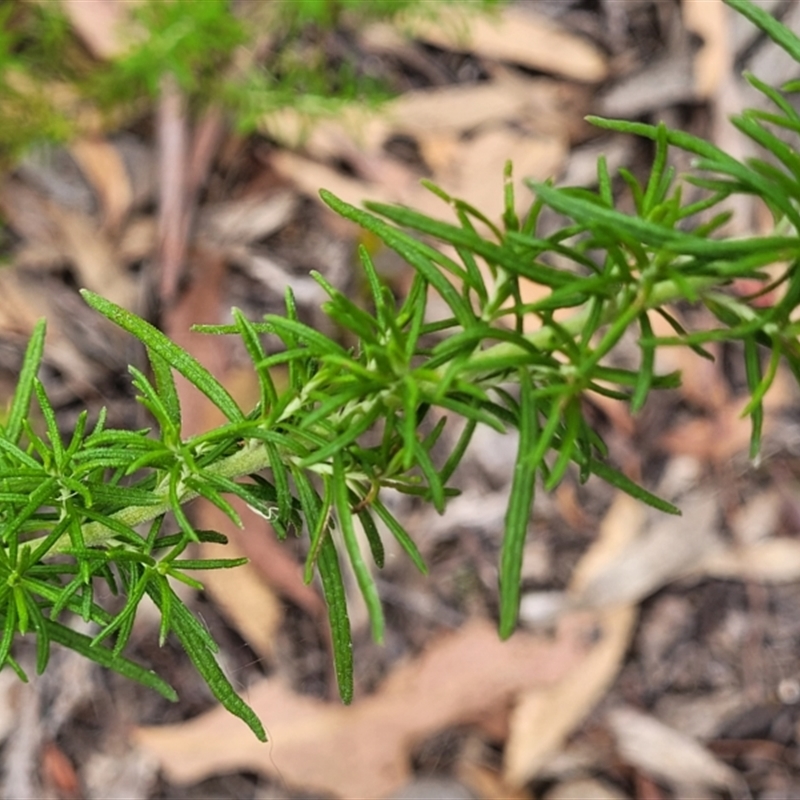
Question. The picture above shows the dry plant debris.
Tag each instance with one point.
(691, 683)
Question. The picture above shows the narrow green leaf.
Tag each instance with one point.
(625, 484)
(82, 645)
(373, 537)
(454, 459)
(752, 362)
(20, 405)
(316, 341)
(645, 374)
(319, 528)
(416, 254)
(366, 584)
(423, 459)
(135, 595)
(49, 415)
(519, 510)
(573, 418)
(255, 350)
(335, 446)
(400, 534)
(9, 631)
(186, 627)
(336, 600)
(510, 218)
(165, 385)
(175, 356)
(779, 33)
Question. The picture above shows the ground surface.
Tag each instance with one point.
(657, 657)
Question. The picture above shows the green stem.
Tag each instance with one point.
(547, 339)
(251, 458)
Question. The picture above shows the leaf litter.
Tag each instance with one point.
(641, 585)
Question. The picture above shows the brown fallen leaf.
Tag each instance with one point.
(100, 24)
(363, 750)
(516, 35)
(544, 718)
(104, 168)
(713, 61)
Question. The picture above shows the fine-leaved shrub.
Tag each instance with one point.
(107, 507)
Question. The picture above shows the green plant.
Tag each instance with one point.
(72, 511)
(267, 57)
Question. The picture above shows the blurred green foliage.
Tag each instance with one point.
(254, 58)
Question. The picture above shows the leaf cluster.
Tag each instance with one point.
(396, 408)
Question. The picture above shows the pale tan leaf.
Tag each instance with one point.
(309, 176)
(664, 81)
(702, 716)
(103, 167)
(101, 24)
(487, 782)
(621, 526)
(248, 219)
(671, 548)
(583, 789)
(363, 750)
(543, 718)
(664, 753)
(93, 255)
(516, 35)
(712, 62)
(459, 108)
(758, 518)
(769, 561)
(241, 593)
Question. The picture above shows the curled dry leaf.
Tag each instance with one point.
(364, 750)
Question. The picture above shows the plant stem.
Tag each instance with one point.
(546, 338)
(251, 458)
